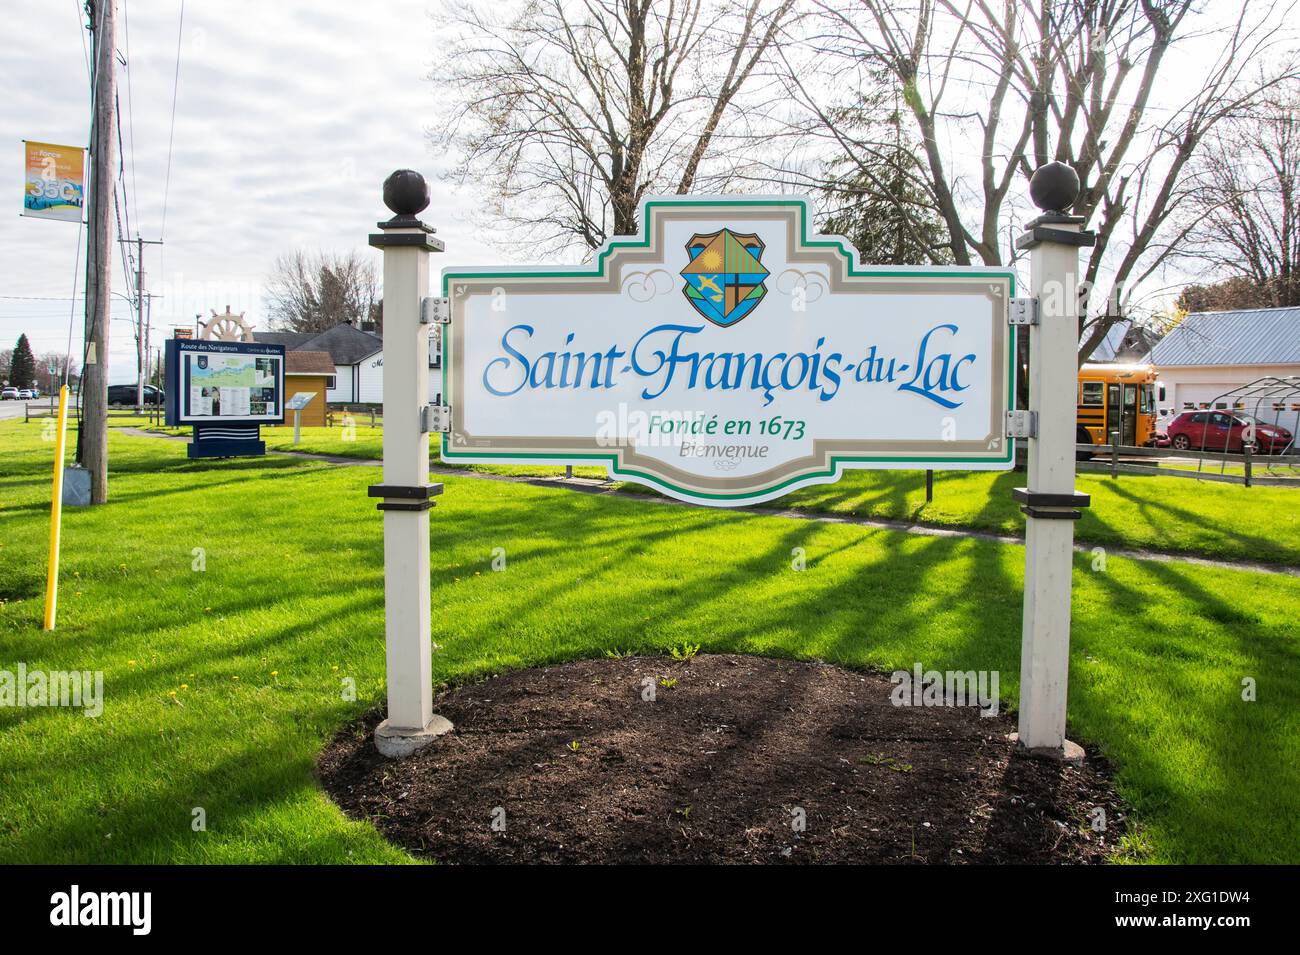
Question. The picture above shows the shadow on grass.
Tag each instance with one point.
(1202, 711)
(1251, 545)
(588, 573)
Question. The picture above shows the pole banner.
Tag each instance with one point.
(728, 355)
(54, 181)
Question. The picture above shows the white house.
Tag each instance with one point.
(1210, 353)
(358, 356)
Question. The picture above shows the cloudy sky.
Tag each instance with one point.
(288, 118)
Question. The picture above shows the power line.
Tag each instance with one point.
(130, 101)
(171, 137)
(124, 253)
(85, 50)
(59, 298)
(121, 173)
(76, 260)
(49, 298)
(171, 134)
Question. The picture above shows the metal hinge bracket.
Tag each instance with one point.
(435, 419)
(1022, 424)
(435, 311)
(1024, 311)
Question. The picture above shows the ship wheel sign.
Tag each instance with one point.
(227, 328)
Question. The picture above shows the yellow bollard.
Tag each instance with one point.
(56, 513)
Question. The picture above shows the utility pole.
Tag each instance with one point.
(92, 436)
(157, 383)
(148, 328)
(139, 323)
(141, 344)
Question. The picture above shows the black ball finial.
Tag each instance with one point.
(1054, 187)
(406, 193)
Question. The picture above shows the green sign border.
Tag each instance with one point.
(643, 242)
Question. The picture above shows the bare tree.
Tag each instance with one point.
(314, 291)
(566, 114)
(1228, 295)
(1243, 214)
(997, 89)
(61, 364)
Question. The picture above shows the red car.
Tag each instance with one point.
(1222, 431)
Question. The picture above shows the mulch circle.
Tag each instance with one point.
(741, 759)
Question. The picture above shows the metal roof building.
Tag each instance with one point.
(1257, 336)
(1210, 353)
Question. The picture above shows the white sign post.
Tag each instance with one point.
(1050, 501)
(406, 492)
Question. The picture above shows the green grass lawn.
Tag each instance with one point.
(1215, 520)
(222, 685)
(362, 442)
(1178, 515)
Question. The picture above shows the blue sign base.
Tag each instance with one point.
(221, 441)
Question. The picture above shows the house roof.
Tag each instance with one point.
(290, 340)
(1109, 345)
(302, 362)
(1256, 336)
(1125, 341)
(346, 344)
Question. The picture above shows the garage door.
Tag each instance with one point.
(1199, 394)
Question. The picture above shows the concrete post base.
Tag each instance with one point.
(396, 742)
(1069, 752)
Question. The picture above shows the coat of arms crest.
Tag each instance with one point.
(724, 278)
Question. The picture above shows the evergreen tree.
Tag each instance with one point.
(22, 366)
(878, 200)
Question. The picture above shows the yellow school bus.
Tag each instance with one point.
(1119, 398)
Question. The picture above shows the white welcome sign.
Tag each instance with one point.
(727, 356)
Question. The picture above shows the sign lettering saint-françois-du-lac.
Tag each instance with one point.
(726, 355)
